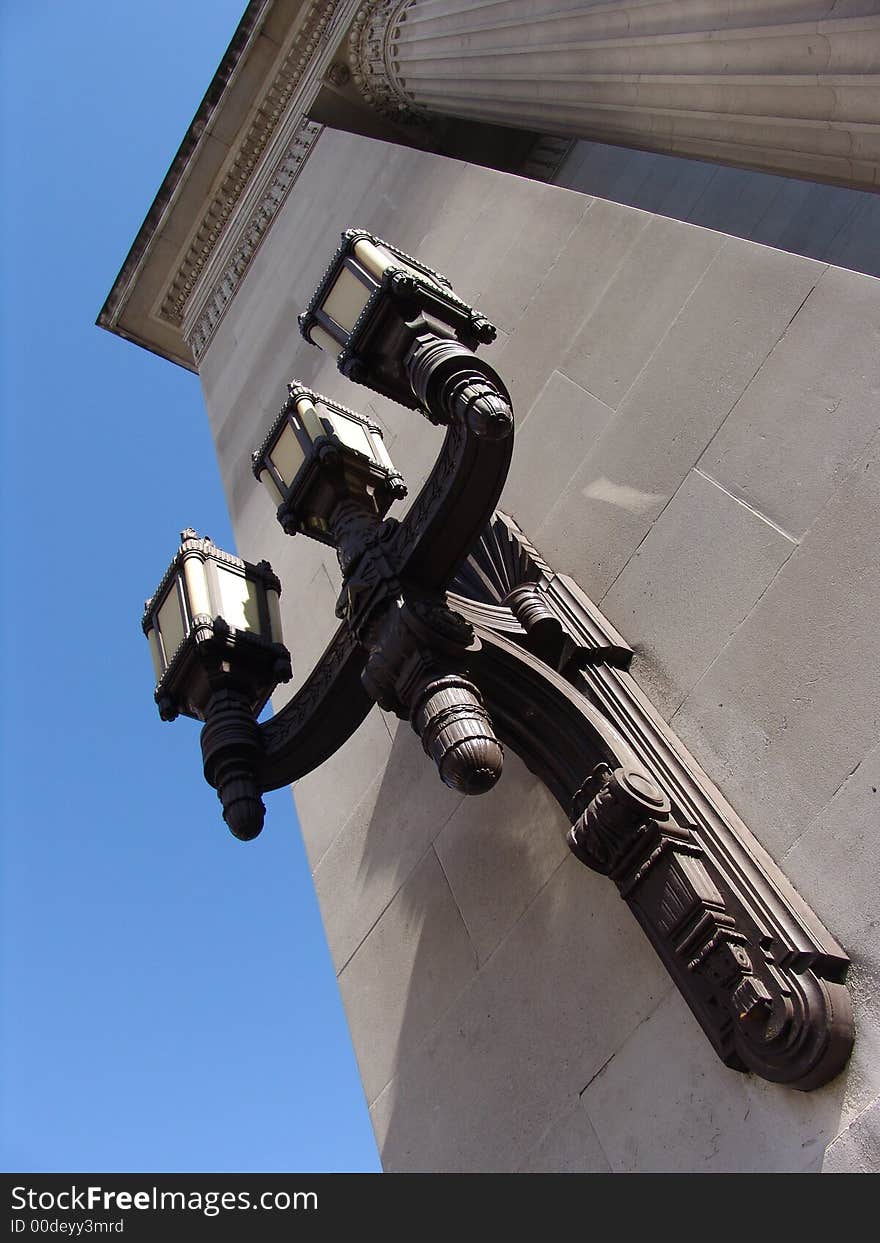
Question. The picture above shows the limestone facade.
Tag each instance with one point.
(698, 444)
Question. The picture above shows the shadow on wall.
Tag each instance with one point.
(506, 1009)
(830, 223)
(508, 1013)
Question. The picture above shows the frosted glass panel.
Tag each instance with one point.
(347, 299)
(238, 600)
(158, 662)
(382, 452)
(349, 432)
(287, 455)
(376, 259)
(268, 482)
(274, 615)
(309, 417)
(322, 338)
(170, 620)
(196, 586)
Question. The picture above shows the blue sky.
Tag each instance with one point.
(168, 998)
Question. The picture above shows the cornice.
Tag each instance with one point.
(112, 312)
(193, 249)
(231, 252)
(305, 43)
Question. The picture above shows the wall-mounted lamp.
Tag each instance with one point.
(399, 328)
(318, 454)
(452, 620)
(214, 626)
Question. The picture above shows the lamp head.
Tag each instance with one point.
(317, 453)
(214, 621)
(372, 303)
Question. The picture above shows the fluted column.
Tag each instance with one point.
(787, 86)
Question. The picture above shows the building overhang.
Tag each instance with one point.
(241, 155)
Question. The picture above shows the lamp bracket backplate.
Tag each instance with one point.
(761, 974)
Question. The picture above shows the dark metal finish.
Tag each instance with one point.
(415, 650)
(330, 472)
(211, 653)
(221, 675)
(408, 301)
(457, 734)
(392, 600)
(231, 754)
(399, 643)
(452, 620)
(230, 675)
(422, 551)
(762, 975)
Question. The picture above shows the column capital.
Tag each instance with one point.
(373, 33)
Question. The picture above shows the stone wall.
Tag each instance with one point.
(836, 224)
(698, 445)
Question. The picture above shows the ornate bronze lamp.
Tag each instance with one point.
(451, 619)
(399, 328)
(330, 474)
(214, 626)
(318, 454)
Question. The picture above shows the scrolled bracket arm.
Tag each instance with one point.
(762, 976)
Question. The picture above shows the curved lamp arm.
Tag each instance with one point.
(320, 718)
(466, 481)
(453, 591)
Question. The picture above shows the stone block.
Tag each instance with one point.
(412, 193)
(804, 217)
(642, 300)
(554, 437)
(734, 200)
(348, 773)
(673, 186)
(822, 215)
(499, 849)
(571, 289)
(570, 1146)
(830, 223)
(571, 981)
(496, 236)
(307, 616)
(440, 246)
(792, 703)
(684, 392)
(615, 173)
(857, 1150)
(665, 1103)
(543, 233)
(414, 449)
(696, 576)
(405, 973)
(835, 866)
(383, 840)
(810, 410)
(857, 244)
